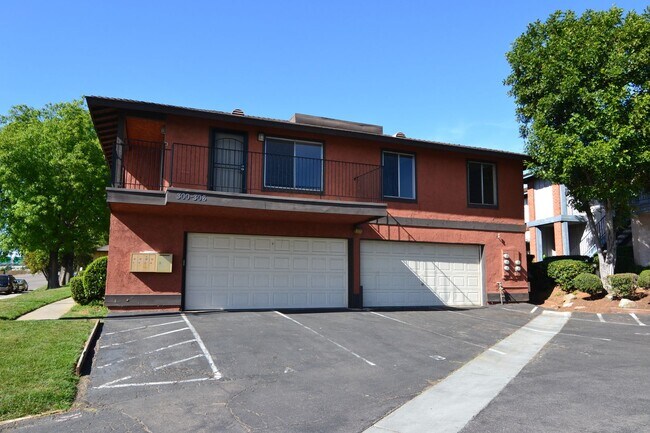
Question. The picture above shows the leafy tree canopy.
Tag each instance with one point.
(52, 182)
(581, 85)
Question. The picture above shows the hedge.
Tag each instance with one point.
(644, 279)
(588, 283)
(77, 290)
(623, 285)
(564, 272)
(94, 280)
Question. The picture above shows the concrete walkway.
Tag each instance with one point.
(448, 406)
(51, 311)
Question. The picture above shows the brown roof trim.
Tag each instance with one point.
(96, 103)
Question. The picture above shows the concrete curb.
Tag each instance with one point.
(28, 417)
(84, 354)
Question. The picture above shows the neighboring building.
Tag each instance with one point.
(555, 228)
(641, 230)
(223, 210)
(100, 252)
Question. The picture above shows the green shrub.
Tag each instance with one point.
(588, 283)
(94, 280)
(77, 289)
(564, 271)
(644, 279)
(623, 285)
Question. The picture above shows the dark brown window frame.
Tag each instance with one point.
(495, 172)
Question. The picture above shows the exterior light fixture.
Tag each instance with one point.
(518, 262)
(506, 256)
(260, 136)
(517, 268)
(506, 268)
(506, 262)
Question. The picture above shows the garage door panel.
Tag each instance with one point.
(235, 271)
(420, 274)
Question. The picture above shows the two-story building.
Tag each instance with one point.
(214, 210)
(555, 227)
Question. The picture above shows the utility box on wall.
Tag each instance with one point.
(151, 262)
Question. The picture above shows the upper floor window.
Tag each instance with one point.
(398, 175)
(482, 183)
(293, 164)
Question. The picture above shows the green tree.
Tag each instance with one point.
(581, 85)
(52, 183)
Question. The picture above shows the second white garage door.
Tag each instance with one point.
(410, 274)
(248, 272)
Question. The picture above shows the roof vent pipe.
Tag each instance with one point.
(238, 112)
(399, 135)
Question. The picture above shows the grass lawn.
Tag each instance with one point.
(13, 308)
(37, 364)
(86, 312)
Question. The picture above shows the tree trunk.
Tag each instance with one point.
(53, 271)
(606, 257)
(68, 265)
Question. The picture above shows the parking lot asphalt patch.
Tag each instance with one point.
(596, 384)
(449, 405)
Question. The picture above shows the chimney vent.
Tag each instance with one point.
(399, 135)
(238, 112)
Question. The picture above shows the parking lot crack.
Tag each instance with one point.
(137, 420)
(236, 417)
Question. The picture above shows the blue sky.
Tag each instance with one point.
(433, 70)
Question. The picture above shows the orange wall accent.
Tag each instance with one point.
(559, 246)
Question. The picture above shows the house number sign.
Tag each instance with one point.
(191, 197)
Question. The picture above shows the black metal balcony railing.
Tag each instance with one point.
(227, 168)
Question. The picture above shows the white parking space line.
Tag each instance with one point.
(143, 327)
(331, 341)
(178, 362)
(637, 319)
(108, 384)
(145, 338)
(565, 334)
(165, 382)
(208, 357)
(600, 317)
(513, 310)
(450, 404)
(390, 318)
(533, 310)
(146, 353)
(481, 346)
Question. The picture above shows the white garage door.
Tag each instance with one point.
(242, 272)
(409, 274)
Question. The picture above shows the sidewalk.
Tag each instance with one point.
(51, 311)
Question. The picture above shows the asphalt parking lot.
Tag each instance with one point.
(343, 371)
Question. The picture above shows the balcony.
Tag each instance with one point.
(228, 176)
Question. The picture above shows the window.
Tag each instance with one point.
(482, 183)
(399, 175)
(293, 164)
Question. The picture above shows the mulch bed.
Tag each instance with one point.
(598, 304)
